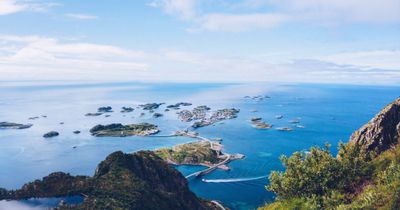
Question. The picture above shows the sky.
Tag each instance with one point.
(315, 41)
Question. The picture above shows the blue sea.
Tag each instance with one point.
(327, 114)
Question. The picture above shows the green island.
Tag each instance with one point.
(365, 173)
(119, 130)
(194, 153)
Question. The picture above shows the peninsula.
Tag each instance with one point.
(122, 181)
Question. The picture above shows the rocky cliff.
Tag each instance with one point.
(381, 132)
(122, 181)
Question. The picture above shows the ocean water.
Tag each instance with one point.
(329, 114)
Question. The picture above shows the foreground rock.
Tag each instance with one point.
(9, 125)
(119, 130)
(51, 134)
(122, 181)
(382, 131)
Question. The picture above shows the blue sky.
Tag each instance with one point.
(327, 41)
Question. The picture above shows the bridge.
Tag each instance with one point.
(210, 169)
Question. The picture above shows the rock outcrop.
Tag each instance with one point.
(381, 132)
(122, 181)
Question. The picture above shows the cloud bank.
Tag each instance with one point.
(248, 15)
(43, 58)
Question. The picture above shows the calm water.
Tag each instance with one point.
(328, 113)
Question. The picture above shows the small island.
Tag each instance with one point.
(51, 134)
(177, 105)
(202, 116)
(119, 130)
(195, 153)
(127, 109)
(105, 109)
(9, 125)
(259, 123)
(150, 106)
(203, 152)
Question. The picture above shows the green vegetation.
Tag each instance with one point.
(194, 153)
(354, 179)
(122, 181)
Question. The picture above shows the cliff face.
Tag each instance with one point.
(382, 132)
(122, 181)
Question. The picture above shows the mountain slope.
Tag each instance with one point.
(365, 174)
(122, 181)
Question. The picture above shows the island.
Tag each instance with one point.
(284, 129)
(178, 105)
(127, 109)
(150, 106)
(195, 153)
(201, 116)
(105, 109)
(119, 130)
(51, 134)
(259, 123)
(203, 152)
(93, 114)
(157, 115)
(10, 125)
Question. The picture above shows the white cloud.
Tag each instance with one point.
(185, 9)
(14, 6)
(189, 66)
(10, 6)
(230, 22)
(383, 59)
(40, 57)
(371, 11)
(81, 16)
(258, 14)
